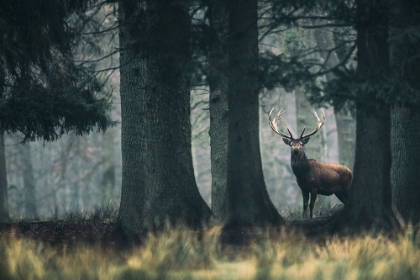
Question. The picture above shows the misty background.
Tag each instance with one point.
(83, 173)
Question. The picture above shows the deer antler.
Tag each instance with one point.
(318, 125)
(273, 124)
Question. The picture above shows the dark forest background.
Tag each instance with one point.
(136, 104)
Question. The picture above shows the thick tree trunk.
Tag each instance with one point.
(4, 201)
(247, 202)
(159, 184)
(218, 82)
(405, 162)
(405, 119)
(170, 170)
(133, 81)
(370, 200)
(29, 192)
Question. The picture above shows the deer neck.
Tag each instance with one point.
(300, 163)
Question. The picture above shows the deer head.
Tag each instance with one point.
(296, 145)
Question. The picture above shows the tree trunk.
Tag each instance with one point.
(108, 162)
(405, 162)
(405, 119)
(74, 165)
(247, 202)
(158, 178)
(218, 82)
(29, 192)
(346, 131)
(133, 81)
(4, 201)
(345, 122)
(370, 199)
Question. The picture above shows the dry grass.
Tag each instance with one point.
(181, 254)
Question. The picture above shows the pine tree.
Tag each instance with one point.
(45, 93)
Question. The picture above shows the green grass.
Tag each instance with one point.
(181, 254)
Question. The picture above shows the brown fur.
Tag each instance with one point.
(316, 178)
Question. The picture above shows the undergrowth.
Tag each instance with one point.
(182, 254)
(107, 212)
(319, 211)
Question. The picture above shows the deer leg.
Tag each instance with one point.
(342, 197)
(311, 205)
(305, 196)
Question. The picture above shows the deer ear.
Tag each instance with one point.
(305, 140)
(286, 141)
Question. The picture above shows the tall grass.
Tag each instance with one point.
(182, 254)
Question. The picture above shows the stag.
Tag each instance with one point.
(312, 176)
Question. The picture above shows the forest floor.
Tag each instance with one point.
(59, 232)
(94, 228)
(97, 225)
(76, 249)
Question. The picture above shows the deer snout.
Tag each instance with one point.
(295, 151)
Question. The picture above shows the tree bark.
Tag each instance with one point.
(370, 198)
(218, 83)
(405, 119)
(247, 202)
(133, 81)
(4, 200)
(405, 162)
(158, 181)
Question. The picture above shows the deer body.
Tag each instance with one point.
(312, 176)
